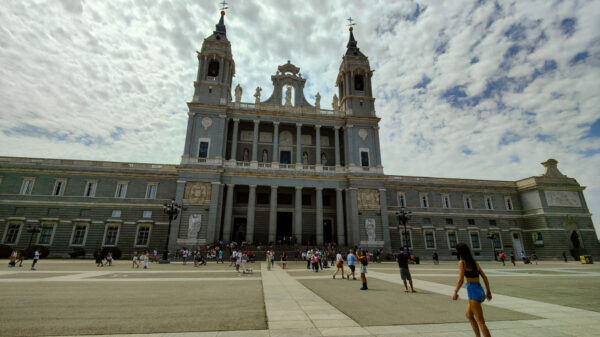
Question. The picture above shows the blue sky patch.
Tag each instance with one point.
(594, 129)
(516, 32)
(580, 57)
(509, 138)
(568, 26)
(423, 84)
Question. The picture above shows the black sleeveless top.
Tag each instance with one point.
(473, 273)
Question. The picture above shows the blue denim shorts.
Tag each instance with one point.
(475, 291)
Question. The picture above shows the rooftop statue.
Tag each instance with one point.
(257, 95)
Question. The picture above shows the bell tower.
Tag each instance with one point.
(215, 68)
(354, 81)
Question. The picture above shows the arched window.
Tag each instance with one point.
(213, 68)
(359, 83)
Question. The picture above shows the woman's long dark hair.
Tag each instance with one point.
(464, 253)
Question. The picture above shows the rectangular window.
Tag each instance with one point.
(449, 221)
(424, 200)
(284, 199)
(471, 222)
(306, 200)
(146, 214)
(452, 240)
(151, 191)
(509, 205)
(90, 188)
(121, 189)
(46, 234)
(143, 235)
(401, 199)
(429, 240)
(496, 240)
(445, 201)
(427, 221)
(468, 204)
(203, 150)
(488, 202)
(537, 238)
(326, 200)
(59, 187)
(241, 198)
(364, 158)
(406, 240)
(116, 213)
(79, 234)
(27, 186)
(262, 198)
(474, 240)
(12, 233)
(112, 233)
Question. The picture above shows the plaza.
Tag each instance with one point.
(73, 298)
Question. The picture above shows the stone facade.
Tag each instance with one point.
(281, 167)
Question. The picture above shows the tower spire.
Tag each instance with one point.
(352, 44)
(220, 32)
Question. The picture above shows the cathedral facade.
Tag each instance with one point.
(281, 169)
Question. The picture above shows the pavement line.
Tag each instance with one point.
(290, 306)
(531, 307)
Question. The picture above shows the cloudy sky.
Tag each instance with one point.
(467, 89)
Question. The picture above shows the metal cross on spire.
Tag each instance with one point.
(224, 5)
(351, 22)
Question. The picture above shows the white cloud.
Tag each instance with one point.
(116, 75)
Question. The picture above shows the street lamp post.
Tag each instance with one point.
(33, 230)
(172, 209)
(403, 217)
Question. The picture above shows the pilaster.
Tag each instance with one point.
(250, 214)
(234, 139)
(387, 243)
(341, 238)
(228, 213)
(273, 214)
(298, 215)
(319, 218)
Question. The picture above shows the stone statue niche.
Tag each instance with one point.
(238, 94)
(288, 76)
(265, 156)
(288, 96)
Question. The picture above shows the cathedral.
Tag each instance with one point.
(283, 169)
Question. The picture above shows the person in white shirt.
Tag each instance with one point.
(238, 261)
(339, 264)
(36, 257)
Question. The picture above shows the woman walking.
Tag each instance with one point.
(339, 264)
(269, 260)
(364, 261)
(469, 269)
(283, 260)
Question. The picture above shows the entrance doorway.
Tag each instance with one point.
(517, 244)
(285, 157)
(239, 230)
(284, 225)
(327, 230)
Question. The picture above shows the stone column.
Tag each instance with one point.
(234, 139)
(298, 215)
(275, 155)
(250, 214)
(273, 214)
(341, 241)
(318, 144)
(337, 145)
(212, 212)
(255, 142)
(319, 216)
(228, 213)
(298, 144)
(387, 243)
(224, 139)
(354, 229)
(187, 151)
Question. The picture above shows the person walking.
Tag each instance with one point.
(565, 257)
(135, 259)
(339, 264)
(309, 255)
(220, 256)
(244, 260)
(403, 259)
(99, 258)
(238, 260)
(185, 256)
(513, 259)
(154, 256)
(364, 261)
(109, 259)
(436, 258)
(535, 257)
(351, 258)
(502, 257)
(145, 257)
(13, 258)
(283, 260)
(470, 270)
(315, 262)
(36, 257)
(269, 261)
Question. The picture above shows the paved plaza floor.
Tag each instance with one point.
(74, 298)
